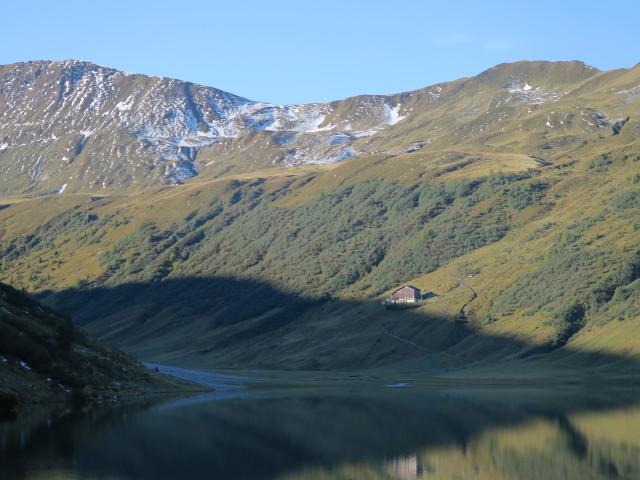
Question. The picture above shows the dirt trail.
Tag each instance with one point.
(462, 315)
(463, 309)
(408, 342)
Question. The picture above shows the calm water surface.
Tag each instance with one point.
(377, 433)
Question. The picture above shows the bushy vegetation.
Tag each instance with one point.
(51, 345)
(369, 235)
(79, 228)
(600, 161)
(565, 288)
(562, 273)
(417, 197)
(627, 200)
(286, 250)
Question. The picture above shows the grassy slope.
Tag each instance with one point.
(582, 219)
(44, 358)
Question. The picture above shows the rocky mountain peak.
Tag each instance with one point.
(92, 127)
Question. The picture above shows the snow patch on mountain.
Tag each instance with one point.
(336, 138)
(136, 123)
(231, 117)
(393, 114)
(181, 170)
(124, 106)
(434, 92)
(631, 93)
(364, 133)
(523, 93)
(594, 118)
(299, 118)
(318, 156)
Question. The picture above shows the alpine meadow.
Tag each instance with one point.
(192, 227)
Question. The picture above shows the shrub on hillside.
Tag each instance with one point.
(627, 200)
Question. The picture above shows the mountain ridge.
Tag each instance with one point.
(76, 126)
(520, 185)
(158, 122)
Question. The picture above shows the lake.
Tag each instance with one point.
(346, 432)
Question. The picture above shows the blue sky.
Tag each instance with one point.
(285, 51)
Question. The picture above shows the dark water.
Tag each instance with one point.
(379, 433)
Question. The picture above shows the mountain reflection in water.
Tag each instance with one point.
(310, 435)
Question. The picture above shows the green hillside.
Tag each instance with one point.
(44, 358)
(511, 197)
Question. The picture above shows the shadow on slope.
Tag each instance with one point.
(232, 323)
